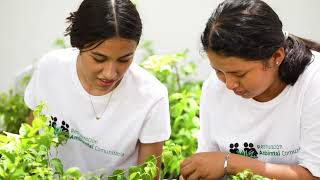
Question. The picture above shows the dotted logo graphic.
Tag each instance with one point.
(53, 122)
(234, 148)
(249, 150)
(63, 129)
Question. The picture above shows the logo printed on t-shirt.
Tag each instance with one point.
(276, 150)
(63, 129)
(74, 134)
(250, 150)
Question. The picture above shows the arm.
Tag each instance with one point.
(238, 163)
(147, 150)
(209, 165)
(30, 118)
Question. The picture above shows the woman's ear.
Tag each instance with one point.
(278, 57)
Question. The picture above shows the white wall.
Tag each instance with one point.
(29, 28)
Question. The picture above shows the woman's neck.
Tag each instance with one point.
(272, 92)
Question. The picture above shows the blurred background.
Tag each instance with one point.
(30, 28)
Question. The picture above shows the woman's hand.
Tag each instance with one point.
(207, 165)
(210, 165)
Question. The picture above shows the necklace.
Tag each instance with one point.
(94, 110)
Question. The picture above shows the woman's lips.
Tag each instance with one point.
(239, 93)
(106, 83)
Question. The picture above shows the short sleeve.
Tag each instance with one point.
(205, 143)
(31, 90)
(157, 124)
(309, 155)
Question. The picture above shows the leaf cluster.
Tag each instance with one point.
(177, 74)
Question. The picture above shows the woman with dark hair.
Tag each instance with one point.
(273, 108)
(115, 112)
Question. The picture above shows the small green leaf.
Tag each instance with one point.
(73, 172)
(57, 165)
(152, 159)
(117, 172)
(135, 176)
(25, 130)
(3, 139)
(134, 169)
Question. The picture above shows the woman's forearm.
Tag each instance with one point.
(30, 118)
(238, 163)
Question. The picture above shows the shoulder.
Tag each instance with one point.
(213, 86)
(144, 82)
(309, 81)
(215, 95)
(55, 65)
(314, 66)
(56, 58)
(311, 75)
(313, 70)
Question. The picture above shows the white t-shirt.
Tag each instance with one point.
(138, 111)
(284, 130)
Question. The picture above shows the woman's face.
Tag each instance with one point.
(249, 79)
(101, 69)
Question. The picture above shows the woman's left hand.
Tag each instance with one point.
(206, 165)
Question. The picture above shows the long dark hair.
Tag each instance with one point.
(250, 29)
(98, 20)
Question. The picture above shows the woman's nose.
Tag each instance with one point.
(109, 70)
(231, 83)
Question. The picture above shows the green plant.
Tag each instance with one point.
(184, 97)
(171, 159)
(60, 43)
(13, 111)
(27, 155)
(247, 175)
(147, 49)
(147, 170)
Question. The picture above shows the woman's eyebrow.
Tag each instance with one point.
(232, 72)
(129, 54)
(99, 54)
(105, 56)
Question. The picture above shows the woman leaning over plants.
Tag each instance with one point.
(260, 110)
(115, 112)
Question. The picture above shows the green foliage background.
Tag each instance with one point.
(184, 96)
(26, 156)
(13, 111)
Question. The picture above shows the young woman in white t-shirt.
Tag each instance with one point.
(260, 110)
(116, 113)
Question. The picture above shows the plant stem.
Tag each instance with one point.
(178, 77)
